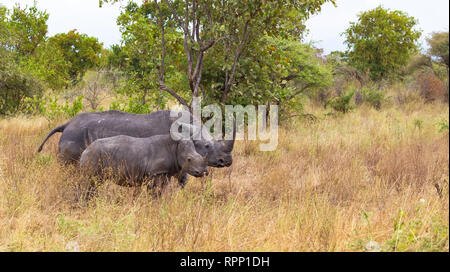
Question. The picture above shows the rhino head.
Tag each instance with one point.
(217, 152)
(190, 160)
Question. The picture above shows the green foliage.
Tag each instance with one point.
(23, 35)
(139, 55)
(16, 84)
(439, 46)
(417, 63)
(373, 97)
(381, 42)
(440, 70)
(239, 33)
(443, 126)
(418, 123)
(49, 65)
(342, 103)
(407, 236)
(43, 160)
(20, 34)
(34, 105)
(28, 28)
(274, 17)
(51, 108)
(275, 71)
(57, 61)
(76, 107)
(80, 51)
(55, 110)
(131, 105)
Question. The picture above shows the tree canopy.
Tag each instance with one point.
(381, 41)
(439, 46)
(27, 29)
(221, 42)
(79, 50)
(31, 61)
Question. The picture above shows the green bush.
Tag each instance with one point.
(406, 236)
(373, 97)
(76, 107)
(443, 126)
(132, 105)
(34, 105)
(342, 103)
(15, 84)
(51, 108)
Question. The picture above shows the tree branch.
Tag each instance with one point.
(173, 13)
(174, 94)
(237, 54)
(309, 85)
(162, 85)
(229, 82)
(199, 71)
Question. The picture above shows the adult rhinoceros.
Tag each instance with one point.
(85, 128)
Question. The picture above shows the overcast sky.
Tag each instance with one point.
(325, 28)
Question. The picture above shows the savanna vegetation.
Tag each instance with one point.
(362, 162)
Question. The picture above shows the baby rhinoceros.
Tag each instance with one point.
(134, 160)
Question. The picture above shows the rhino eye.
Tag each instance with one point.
(189, 159)
(207, 146)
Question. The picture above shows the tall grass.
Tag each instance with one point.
(332, 185)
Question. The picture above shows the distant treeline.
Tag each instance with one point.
(232, 52)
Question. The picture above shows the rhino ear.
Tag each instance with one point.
(184, 135)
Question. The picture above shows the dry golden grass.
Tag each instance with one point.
(333, 185)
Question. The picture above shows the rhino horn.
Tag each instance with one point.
(229, 144)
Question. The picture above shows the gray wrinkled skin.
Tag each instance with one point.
(133, 160)
(85, 128)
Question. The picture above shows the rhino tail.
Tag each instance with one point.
(57, 129)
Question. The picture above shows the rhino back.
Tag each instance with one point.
(132, 158)
(112, 123)
(85, 128)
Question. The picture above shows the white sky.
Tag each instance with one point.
(325, 28)
(83, 15)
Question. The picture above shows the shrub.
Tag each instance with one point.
(93, 89)
(406, 236)
(342, 103)
(51, 108)
(443, 125)
(431, 87)
(34, 106)
(438, 43)
(132, 105)
(76, 107)
(15, 85)
(373, 97)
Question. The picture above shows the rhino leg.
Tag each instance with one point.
(182, 180)
(91, 191)
(69, 152)
(86, 190)
(159, 184)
